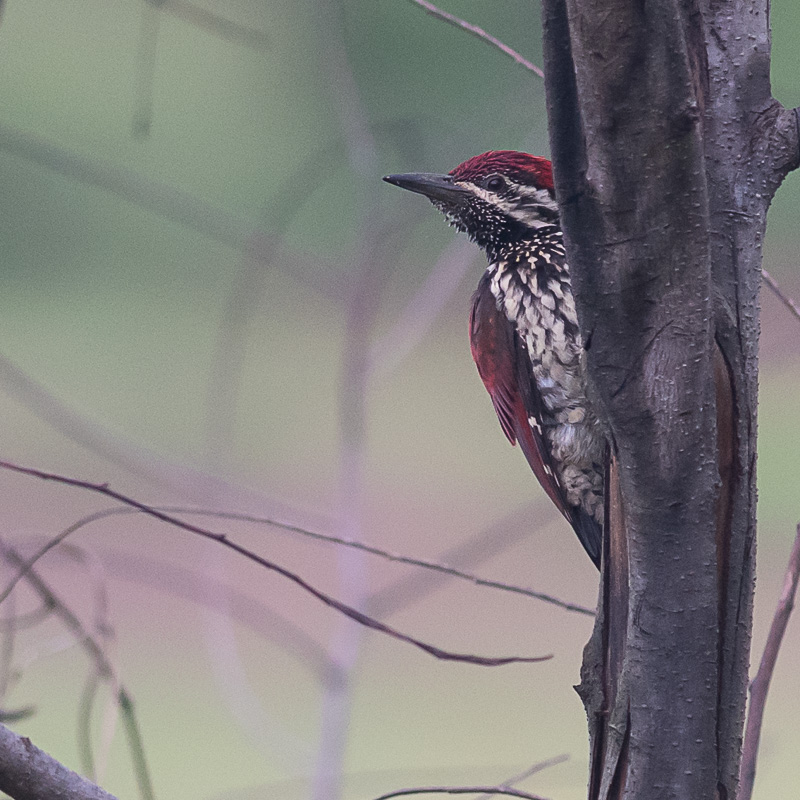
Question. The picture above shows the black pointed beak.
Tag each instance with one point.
(434, 187)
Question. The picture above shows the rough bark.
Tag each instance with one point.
(27, 773)
(667, 148)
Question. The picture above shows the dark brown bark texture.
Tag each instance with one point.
(667, 149)
(27, 773)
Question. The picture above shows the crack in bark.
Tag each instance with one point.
(692, 135)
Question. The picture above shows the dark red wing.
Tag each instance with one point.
(503, 365)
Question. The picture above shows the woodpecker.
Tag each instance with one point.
(523, 327)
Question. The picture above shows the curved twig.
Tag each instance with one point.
(759, 687)
(461, 790)
(221, 538)
(104, 670)
(433, 566)
(434, 11)
(779, 293)
(541, 765)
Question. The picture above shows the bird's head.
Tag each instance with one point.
(499, 198)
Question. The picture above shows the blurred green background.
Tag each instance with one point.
(210, 299)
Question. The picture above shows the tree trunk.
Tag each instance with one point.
(667, 149)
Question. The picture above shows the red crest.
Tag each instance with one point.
(520, 167)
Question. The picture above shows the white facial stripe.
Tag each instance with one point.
(490, 197)
(539, 197)
(527, 209)
(531, 204)
(529, 217)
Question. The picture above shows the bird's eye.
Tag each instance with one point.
(495, 183)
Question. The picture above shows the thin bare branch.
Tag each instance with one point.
(135, 744)
(760, 684)
(221, 538)
(85, 712)
(8, 634)
(105, 667)
(475, 549)
(434, 11)
(104, 670)
(400, 594)
(433, 566)
(47, 547)
(226, 600)
(12, 622)
(542, 765)
(779, 293)
(102, 630)
(376, 551)
(28, 773)
(389, 556)
(447, 570)
(490, 790)
(7, 672)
